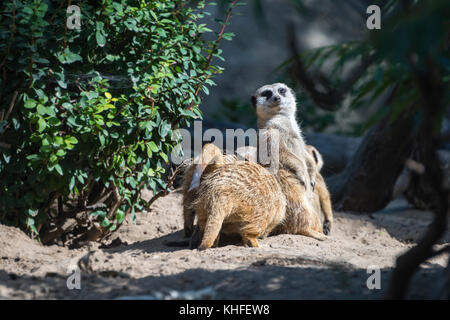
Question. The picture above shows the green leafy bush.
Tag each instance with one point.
(87, 115)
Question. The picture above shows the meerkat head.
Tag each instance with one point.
(316, 156)
(274, 99)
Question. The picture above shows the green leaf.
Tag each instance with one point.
(164, 129)
(105, 223)
(71, 140)
(164, 156)
(153, 146)
(120, 215)
(72, 183)
(98, 213)
(101, 40)
(68, 57)
(59, 169)
(41, 109)
(30, 104)
(41, 124)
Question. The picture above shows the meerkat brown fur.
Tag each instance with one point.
(191, 182)
(237, 198)
(300, 216)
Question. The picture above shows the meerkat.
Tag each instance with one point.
(236, 198)
(321, 190)
(191, 182)
(321, 202)
(242, 197)
(276, 109)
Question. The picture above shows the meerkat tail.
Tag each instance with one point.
(210, 154)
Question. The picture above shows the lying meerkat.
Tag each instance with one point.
(236, 198)
(276, 109)
(321, 201)
(191, 182)
(240, 198)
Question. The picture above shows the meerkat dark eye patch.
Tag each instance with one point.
(282, 91)
(267, 94)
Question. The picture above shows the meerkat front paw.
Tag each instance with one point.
(304, 180)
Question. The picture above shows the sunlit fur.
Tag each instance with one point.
(237, 198)
(304, 208)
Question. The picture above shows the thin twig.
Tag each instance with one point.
(164, 192)
(11, 105)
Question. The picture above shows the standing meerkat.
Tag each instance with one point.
(276, 109)
(236, 198)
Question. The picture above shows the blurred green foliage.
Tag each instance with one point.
(236, 111)
(93, 110)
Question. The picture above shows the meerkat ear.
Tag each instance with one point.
(254, 102)
(314, 153)
(317, 158)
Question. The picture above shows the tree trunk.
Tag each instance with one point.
(368, 180)
(420, 193)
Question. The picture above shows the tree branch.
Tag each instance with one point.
(332, 97)
(431, 88)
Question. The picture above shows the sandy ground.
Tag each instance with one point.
(137, 263)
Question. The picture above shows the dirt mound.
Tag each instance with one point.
(137, 263)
